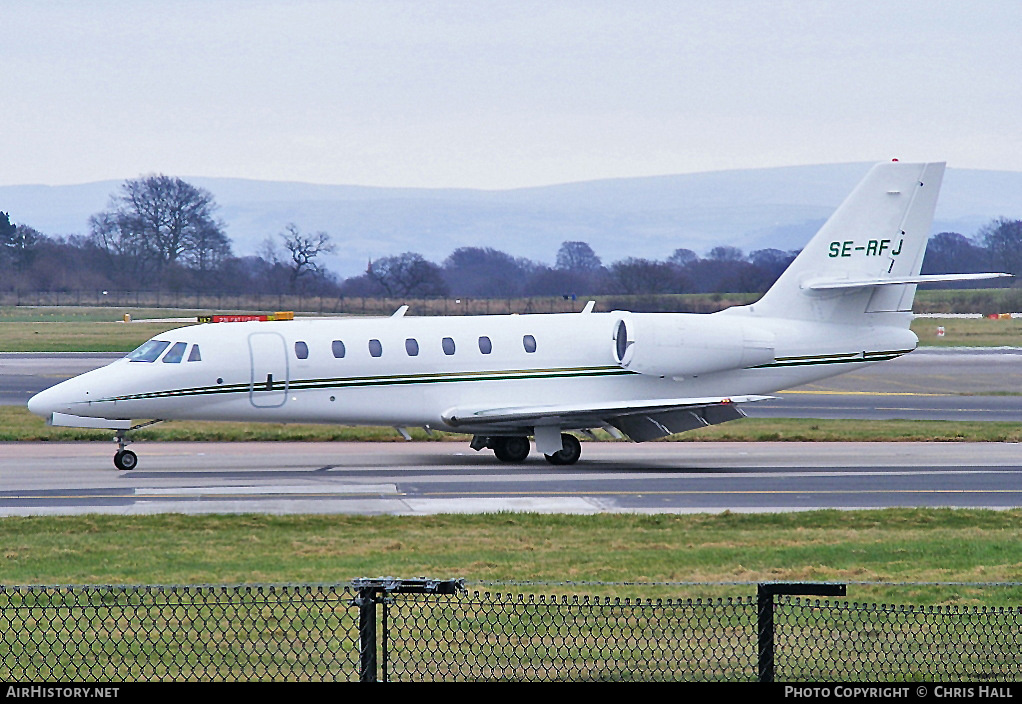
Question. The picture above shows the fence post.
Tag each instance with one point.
(366, 633)
(765, 608)
(375, 591)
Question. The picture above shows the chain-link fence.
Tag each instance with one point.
(418, 630)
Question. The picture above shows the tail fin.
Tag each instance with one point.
(866, 258)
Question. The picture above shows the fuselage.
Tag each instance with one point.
(411, 371)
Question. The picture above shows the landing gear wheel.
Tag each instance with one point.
(125, 460)
(569, 453)
(511, 449)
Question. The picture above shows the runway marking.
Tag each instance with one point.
(284, 490)
(680, 493)
(807, 392)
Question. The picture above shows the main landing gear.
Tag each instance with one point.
(569, 453)
(515, 448)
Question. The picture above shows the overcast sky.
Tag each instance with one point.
(500, 94)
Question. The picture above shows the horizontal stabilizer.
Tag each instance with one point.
(826, 284)
(63, 420)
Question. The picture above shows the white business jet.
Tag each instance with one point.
(843, 303)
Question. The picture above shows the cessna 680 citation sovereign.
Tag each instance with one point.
(845, 301)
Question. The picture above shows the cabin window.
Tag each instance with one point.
(301, 350)
(412, 347)
(338, 349)
(448, 345)
(529, 342)
(485, 346)
(375, 348)
(194, 355)
(176, 354)
(149, 351)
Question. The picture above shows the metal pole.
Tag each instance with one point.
(765, 632)
(367, 634)
(765, 608)
(374, 591)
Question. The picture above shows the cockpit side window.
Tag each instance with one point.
(195, 355)
(148, 351)
(176, 354)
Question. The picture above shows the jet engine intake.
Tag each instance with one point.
(688, 344)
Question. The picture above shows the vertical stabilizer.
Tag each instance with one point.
(866, 258)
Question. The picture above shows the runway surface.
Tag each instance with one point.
(446, 477)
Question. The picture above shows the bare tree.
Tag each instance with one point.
(1003, 241)
(485, 271)
(578, 257)
(304, 250)
(159, 221)
(407, 274)
(636, 275)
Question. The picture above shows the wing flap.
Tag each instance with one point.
(642, 427)
(639, 419)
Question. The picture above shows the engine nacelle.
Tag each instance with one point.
(687, 344)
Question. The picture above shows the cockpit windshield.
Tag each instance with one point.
(176, 354)
(149, 351)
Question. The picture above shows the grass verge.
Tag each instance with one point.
(17, 424)
(942, 553)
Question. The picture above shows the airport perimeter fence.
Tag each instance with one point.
(437, 630)
(368, 305)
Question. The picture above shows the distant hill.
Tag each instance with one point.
(635, 217)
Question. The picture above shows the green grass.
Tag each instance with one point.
(940, 551)
(968, 332)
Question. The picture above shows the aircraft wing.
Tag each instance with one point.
(640, 420)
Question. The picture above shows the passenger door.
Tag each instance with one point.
(269, 385)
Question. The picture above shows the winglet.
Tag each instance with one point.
(400, 312)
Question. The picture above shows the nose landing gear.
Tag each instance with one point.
(124, 459)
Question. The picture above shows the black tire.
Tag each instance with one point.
(125, 460)
(568, 454)
(511, 449)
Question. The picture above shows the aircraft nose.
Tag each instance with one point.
(48, 401)
(40, 405)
